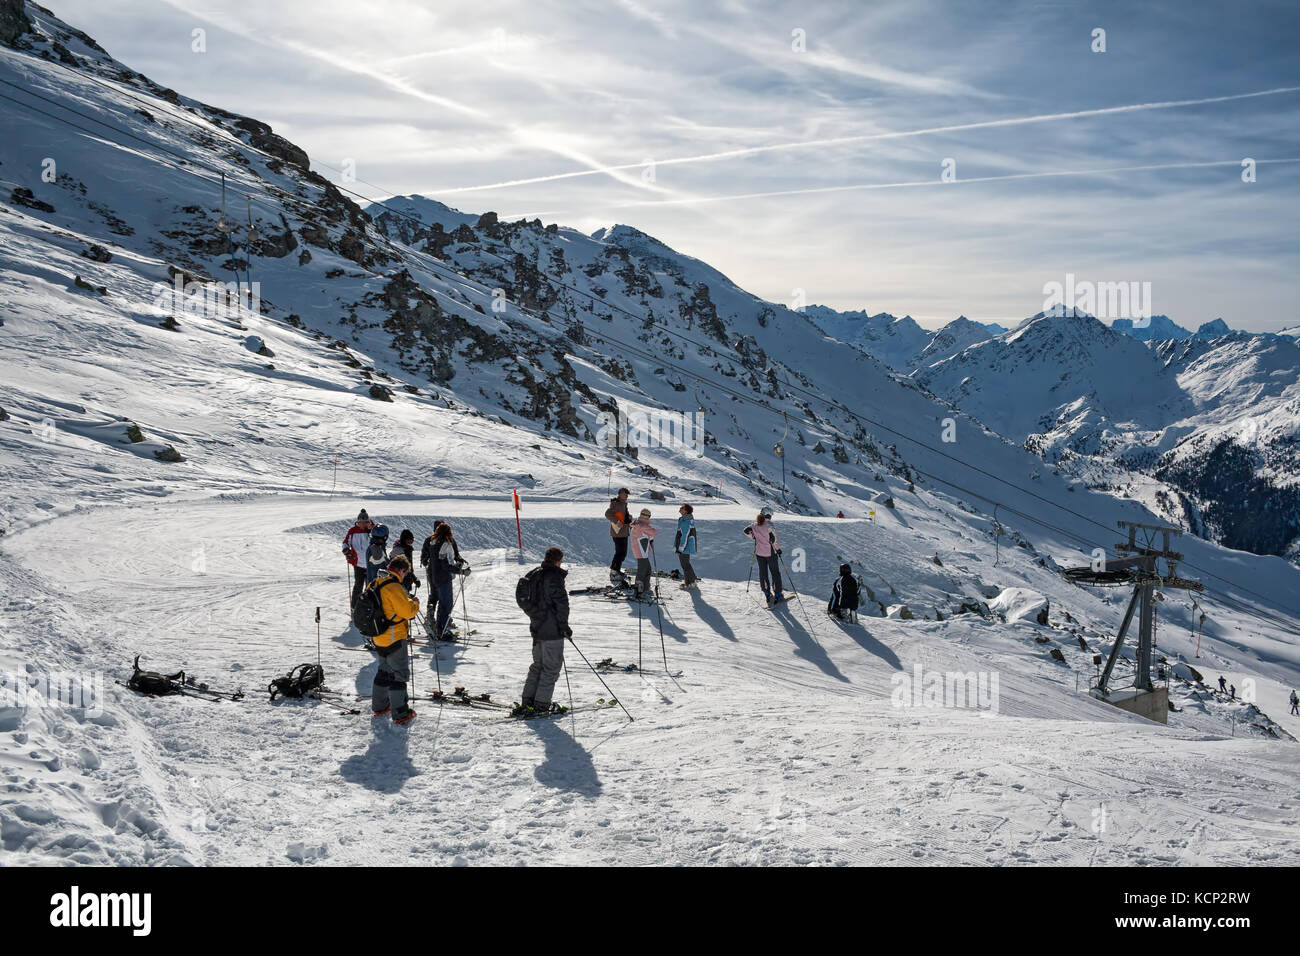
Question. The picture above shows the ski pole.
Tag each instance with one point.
(569, 684)
(318, 637)
(750, 577)
(659, 606)
(808, 619)
(464, 608)
(599, 678)
(638, 631)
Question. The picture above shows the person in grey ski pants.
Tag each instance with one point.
(548, 660)
(390, 680)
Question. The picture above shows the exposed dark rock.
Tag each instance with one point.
(168, 454)
(97, 253)
(13, 21)
(133, 433)
(381, 392)
(22, 196)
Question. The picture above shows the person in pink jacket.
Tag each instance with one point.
(767, 549)
(643, 535)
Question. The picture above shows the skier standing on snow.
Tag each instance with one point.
(620, 518)
(377, 553)
(406, 546)
(767, 549)
(844, 593)
(444, 566)
(1223, 685)
(549, 625)
(684, 545)
(642, 534)
(389, 691)
(1295, 703)
(355, 545)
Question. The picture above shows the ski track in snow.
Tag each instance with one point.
(777, 745)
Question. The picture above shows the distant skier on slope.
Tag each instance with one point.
(684, 545)
(389, 691)
(1223, 685)
(445, 565)
(1295, 704)
(643, 535)
(355, 545)
(844, 594)
(377, 553)
(620, 519)
(547, 606)
(767, 549)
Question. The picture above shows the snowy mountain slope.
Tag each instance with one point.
(895, 341)
(1213, 421)
(217, 561)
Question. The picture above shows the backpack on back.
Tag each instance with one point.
(368, 615)
(528, 593)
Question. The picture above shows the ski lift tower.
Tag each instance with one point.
(1138, 566)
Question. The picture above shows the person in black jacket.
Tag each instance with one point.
(844, 594)
(549, 627)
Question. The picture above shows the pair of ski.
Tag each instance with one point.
(611, 592)
(609, 665)
(501, 711)
(190, 688)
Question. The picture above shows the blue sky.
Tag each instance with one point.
(816, 168)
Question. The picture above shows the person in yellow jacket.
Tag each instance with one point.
(400, 607)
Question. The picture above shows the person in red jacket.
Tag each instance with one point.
(355, 544)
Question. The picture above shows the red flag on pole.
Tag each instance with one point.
(519, 532)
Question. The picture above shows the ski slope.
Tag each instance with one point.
(778, 744)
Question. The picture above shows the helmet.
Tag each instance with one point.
(766, 512)
(380, 531)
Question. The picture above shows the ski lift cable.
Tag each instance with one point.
(289, 198)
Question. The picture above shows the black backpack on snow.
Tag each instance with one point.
(528, 593)
(152, 683)
(298, 683)
(368, 615)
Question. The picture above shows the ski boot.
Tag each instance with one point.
(405, 719)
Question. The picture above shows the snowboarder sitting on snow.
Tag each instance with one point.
(619, 518)
(549, 627)
(684, 545)
(844, 594)
(445, 565)
(377, 552)
(642, 534)
(767, 549)
(389, 692)
(355, 544)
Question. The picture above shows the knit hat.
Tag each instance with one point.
(624, 491)
(363, 516)
(645, 514)
(406, 537)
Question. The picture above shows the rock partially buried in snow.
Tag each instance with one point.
(381, 393)
(302, 853)
(1016, 603)
(255, 344)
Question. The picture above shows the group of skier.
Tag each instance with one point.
(541, 593)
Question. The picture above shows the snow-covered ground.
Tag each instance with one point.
(786, 739)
